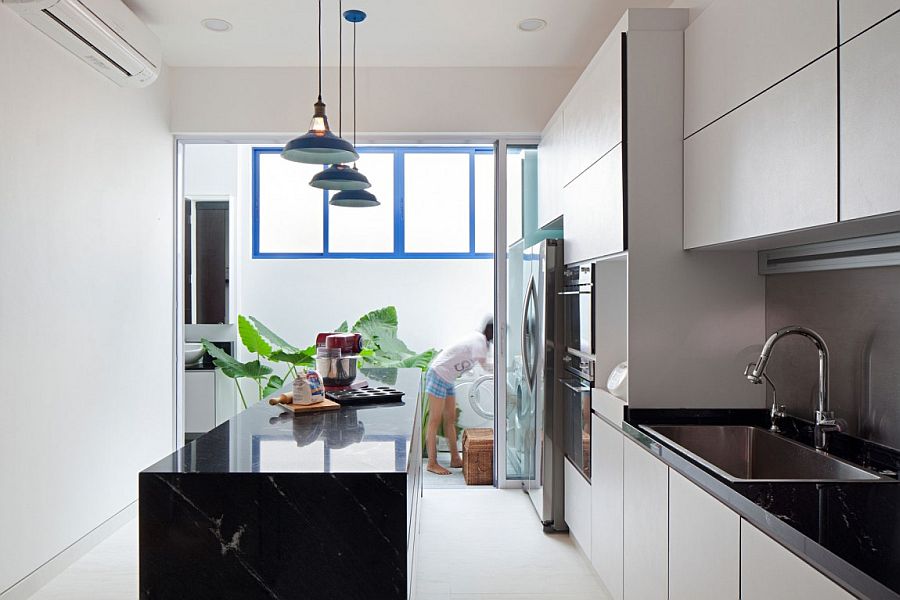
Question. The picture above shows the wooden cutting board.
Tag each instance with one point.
(310, 408)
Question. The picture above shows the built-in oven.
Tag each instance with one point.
(578, 301)
(576, 401)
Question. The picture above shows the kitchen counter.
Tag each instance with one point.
(276, 505)
(850, 531)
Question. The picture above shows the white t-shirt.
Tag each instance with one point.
(452, 362)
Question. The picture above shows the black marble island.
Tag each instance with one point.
(276, 505)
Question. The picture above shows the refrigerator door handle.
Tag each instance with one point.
(529, 368)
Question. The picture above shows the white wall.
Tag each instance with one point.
(86, 315)
(390, 100)
(436, 300)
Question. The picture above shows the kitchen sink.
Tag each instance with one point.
(752, 454)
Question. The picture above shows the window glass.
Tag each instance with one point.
(291, 212)
(484, 202)
(436, 202)
(369, 229)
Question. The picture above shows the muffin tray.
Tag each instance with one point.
(366, 395)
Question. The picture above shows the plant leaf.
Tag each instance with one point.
(274, 384)
(273, 338)
(299, 358)
(420, 361)
(343, 328)
(255, 370)
(252, 339)
(229, 365)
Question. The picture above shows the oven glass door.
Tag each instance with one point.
(579, 316)
(577, 438)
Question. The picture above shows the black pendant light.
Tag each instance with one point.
(319, 145)
(340, 176)
(355, 198)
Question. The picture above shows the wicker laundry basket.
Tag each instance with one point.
(478, 456)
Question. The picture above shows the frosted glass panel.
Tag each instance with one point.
(514, 195)
(484, 202)
(437, 202)
(368, 229)
(290, 211)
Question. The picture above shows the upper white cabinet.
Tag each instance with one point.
(736, 49)
(768, 167)
(594, 205)
(593, 114)
(870, 117)
(607, 504)
(859, 15)
(704, 544)
(550, 178)
(770, 572)
(646, 522)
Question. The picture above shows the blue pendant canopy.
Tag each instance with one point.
(340, 177)
(354, 199)
(319, 145)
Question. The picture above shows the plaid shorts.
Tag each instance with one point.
(436, 386)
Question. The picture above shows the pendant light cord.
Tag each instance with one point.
(340, 68)
(320, 50)
(354, 83)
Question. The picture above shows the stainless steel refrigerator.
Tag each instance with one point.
(540, 412)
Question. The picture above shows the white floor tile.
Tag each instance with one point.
(487, 544)
(475, 544)
(108, 572)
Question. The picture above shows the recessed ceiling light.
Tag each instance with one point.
(532, 24)
(217, 25)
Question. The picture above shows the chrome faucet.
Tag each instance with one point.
(825, 420)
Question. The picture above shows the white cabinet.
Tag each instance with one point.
(870, 119)
(199, 401)
(770, 572)
(594, 206)
(859, 15)
(768, 167)
(578, 507)
(735, 49)
(704, 544)
(593, 114)
(607, 505)
(550, 179)
(646, 522)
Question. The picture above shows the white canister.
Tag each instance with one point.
(617, 383)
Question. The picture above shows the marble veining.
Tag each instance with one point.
(851, 531)
(308, 506)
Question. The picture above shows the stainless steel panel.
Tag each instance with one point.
(858, 313)
(740, 453)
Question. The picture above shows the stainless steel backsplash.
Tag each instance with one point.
(857, 311)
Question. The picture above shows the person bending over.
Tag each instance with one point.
(449, 364)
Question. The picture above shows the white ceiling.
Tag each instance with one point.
(397, 33)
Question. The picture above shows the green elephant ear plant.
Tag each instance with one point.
(264, 343)
(382, 348)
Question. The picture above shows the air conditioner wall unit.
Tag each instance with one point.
(103, 33)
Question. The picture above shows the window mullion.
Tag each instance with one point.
(399, 204)
(472, 202)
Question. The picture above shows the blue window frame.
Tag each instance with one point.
(399, 220)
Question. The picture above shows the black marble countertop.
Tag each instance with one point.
(268, 439)
(851, 531)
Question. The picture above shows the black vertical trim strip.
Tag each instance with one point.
(838, 60)
(624, 141)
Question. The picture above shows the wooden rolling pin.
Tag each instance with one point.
(285, 398)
